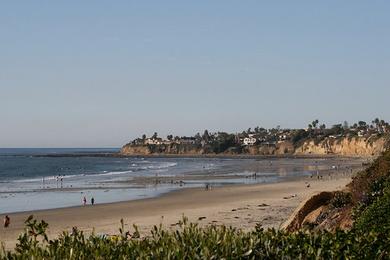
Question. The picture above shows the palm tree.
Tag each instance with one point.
(376, 121)
(315, 123)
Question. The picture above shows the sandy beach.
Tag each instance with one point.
(241, 206)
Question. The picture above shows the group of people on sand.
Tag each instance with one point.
(85, 201)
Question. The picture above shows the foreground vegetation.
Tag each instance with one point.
(193, 242)
(368, 239)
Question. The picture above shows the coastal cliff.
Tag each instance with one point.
(346, 146)
(168, 149)
(355, 146)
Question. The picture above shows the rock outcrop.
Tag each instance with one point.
(308, 211)
(323, 211)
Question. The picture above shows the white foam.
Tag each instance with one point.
(48, 178)
(162, 166)
(111, 173)
(54, 178)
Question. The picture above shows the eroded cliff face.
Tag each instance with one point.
(135, 150)
(175, 149)
(356, 146)
(277, 149)
(129, 150)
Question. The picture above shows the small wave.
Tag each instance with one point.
(163, 166)
(159, 166)
(48, 178)
(144, 161)
(112, 173)
(54, 178)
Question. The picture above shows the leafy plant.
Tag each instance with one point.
(340, 199)
(193, 242)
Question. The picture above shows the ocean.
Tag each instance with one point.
(34, 179)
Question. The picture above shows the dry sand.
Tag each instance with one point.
(241, 206)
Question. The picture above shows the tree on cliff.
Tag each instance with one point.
(198, 137)
(155, 135)
(223, 142)
(336, 129)
(362, 124)
(345, 125)
(376, 121)
(206, 136)
(315, 123)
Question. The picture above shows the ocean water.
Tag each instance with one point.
(33, 179)
(31, 170)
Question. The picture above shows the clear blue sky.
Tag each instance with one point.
(98, 73)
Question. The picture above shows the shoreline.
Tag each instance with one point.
(208, 156)
(240, 206)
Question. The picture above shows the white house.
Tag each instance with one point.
(250, 140)
(361, 133)
(282, 137)
(153, 141)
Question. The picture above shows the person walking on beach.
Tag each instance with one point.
(92, 201)
(85, 201)
(7, 221)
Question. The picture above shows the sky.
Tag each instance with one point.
(100, 73)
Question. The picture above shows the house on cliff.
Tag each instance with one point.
(187, 140)
(250, 140)
(153, 141)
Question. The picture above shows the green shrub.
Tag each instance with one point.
(193, 242)
(376, 216)
(340, 199)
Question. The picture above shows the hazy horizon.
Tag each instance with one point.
(77, 74)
